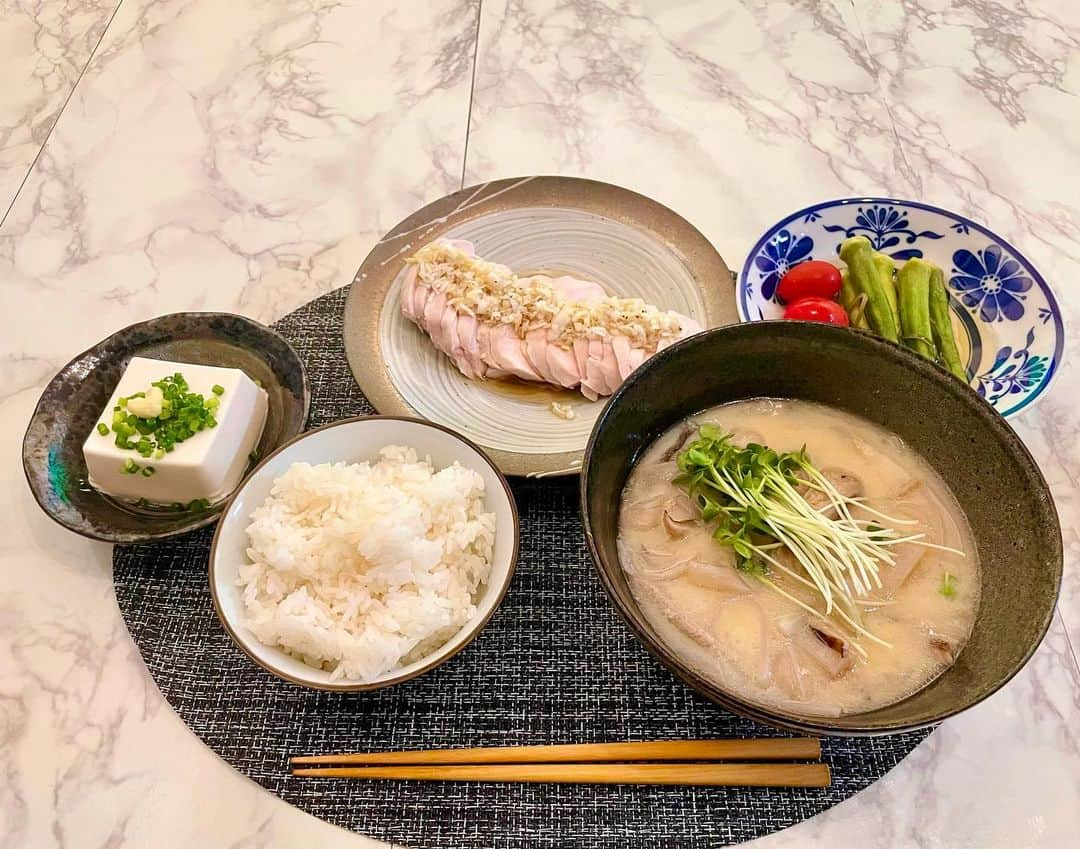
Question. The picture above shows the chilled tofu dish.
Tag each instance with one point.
(561, 331)
(178, 435)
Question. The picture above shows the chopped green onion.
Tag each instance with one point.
(148, 471)
(103, 429)
(217, 389)
(130, 467)
(183, 414)
(198, 504)
(948, 585)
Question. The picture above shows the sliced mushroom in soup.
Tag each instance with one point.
(799, 557)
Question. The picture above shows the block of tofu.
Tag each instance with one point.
(208, 464)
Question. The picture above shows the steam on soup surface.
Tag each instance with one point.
(756, 625)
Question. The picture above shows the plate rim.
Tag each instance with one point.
(1040, 281)
(361, 313)
(200, 520)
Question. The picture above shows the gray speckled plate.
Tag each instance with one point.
(629, 244)
(73, 400)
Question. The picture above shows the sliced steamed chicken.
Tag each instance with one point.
(557, 330)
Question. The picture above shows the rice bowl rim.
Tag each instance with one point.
(472, 629)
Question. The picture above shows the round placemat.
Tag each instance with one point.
(555, 665)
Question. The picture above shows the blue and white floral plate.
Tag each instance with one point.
(1008, 324)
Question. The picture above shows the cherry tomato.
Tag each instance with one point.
(816, 278)
(817, 309)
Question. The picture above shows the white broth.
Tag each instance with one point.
(751, 640)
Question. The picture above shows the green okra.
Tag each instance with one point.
(859, 256)
(941, 326)
(854, 305)
(913, 290)
(885, 268)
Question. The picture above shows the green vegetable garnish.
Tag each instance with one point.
(148, 471)
(183, 414)
(130, 467)
(753, 495)
(865, 280)
(948, 585)
(885, 268)
(217, 389)
(878, 531)
(103, 429)
(198, 504)
(853, 303)
(941, 325)
(913, 284)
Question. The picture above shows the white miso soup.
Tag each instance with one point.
(757, 626)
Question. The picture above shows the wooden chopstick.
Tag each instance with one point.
(768, 749)
(719, 775)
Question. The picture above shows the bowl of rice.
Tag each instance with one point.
(364, 553)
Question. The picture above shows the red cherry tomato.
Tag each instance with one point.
(817, 309)
(816, 278)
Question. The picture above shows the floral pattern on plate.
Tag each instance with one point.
(992, 281)
(887, 227)
(778, 255)
(1007, 322)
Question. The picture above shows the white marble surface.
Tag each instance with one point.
(245, 156)
(45, 44)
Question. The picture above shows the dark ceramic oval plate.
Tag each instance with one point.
(73, 400)
(987, 467)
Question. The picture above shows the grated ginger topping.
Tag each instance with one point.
(493, 293)
(563, 411)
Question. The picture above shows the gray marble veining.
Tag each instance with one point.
(45, 46)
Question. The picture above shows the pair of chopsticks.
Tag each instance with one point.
(685, 762)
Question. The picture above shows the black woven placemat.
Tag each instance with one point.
(555, 665)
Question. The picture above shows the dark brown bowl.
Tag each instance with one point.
(71, 403)
(993, 476)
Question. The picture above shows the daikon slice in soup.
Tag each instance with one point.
(799, 557)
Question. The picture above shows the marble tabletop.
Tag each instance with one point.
(162, 155)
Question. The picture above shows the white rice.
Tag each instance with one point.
(361, 568)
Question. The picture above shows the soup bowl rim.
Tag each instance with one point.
(807, 723)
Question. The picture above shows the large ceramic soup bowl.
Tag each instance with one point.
(997, 484)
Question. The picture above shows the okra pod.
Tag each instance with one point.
(913, 287)
(885, 268)
(853, 304)
(941, 325)
(859, 256)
